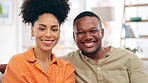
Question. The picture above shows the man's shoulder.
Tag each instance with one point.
(71, 55)
(119, 49)
(122, 52)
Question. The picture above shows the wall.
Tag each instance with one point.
(113, 28)
(15, 38)
(10, 35)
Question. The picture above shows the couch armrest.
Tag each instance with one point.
(2, 68)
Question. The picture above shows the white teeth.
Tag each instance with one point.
(90, 44)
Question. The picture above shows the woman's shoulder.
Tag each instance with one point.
(17, 56)
(16, 59)
(20, 57)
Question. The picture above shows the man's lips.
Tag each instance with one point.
(89, 44)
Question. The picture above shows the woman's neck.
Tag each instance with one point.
(43, 56)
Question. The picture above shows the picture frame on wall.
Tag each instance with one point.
(6, 7)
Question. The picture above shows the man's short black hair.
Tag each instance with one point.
(87, 13)
(32, 9)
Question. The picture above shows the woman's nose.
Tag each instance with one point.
(48, 33)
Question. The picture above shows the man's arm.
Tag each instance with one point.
(137, 71)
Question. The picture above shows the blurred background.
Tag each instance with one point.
(124, 22)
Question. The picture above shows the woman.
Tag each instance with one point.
(39, 64)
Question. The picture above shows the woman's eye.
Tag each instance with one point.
(41, 29)
(54, 30)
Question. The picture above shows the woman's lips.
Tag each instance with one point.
(47, 42)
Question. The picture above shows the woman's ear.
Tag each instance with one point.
(32, 33)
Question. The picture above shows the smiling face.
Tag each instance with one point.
(88, 34)
(46, 32)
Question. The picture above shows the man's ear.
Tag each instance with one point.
(73, 36)
(102, 32)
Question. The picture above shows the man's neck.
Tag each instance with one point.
(100, 54)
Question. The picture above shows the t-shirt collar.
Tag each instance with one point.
(30, 56)
(87, 58)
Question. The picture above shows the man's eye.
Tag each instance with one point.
(80, 33)
(93, 31)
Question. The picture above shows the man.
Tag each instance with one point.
(97, 64)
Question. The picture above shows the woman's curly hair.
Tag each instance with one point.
(32, 9)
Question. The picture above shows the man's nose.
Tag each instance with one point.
(88, 36)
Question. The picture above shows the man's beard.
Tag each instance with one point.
(91, 53)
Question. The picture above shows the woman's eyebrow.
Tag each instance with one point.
(43, 25)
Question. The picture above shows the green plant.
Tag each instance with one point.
(0, 9)
(134, 50)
